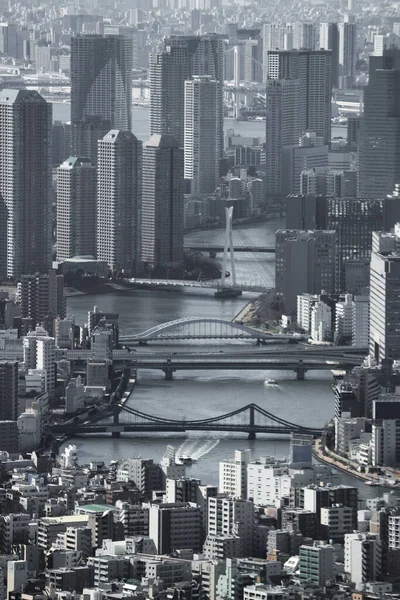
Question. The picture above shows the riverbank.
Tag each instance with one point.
(328, 457)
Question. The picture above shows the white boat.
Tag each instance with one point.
(371, 483)
(271, 382)
(185, 459)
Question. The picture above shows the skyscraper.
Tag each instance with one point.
(118, 199)
(276, 37)
(206, 57)
(162, 201)
(282, 129)
(305, 36)
(25, 180)
(379, 142)
(200, 134)
(168, 71)
(101, 87)
(347, 50)
(76, 208)
(42, 296)
(384, 306)
(314, 72)
(329, 40)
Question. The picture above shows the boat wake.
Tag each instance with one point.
(197, 448)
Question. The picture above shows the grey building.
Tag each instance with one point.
(313, 69)
(200, 134)
(118, 199)
(76, 208)
(329, 40)
(379, 141)
(168, 71)
(8, 391)
(385, 306)
(162, 201)
(347, 50)
(175, 526)
(100, 63)
(305, 263)
(42, 296)
(25, 180)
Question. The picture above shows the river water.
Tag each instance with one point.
(204, 394)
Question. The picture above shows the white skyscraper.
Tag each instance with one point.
(118, 199)
(305, 36)
(200, 134)
(25, 180)
(76, 208)
(347, 49)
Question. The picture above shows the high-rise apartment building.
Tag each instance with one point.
(200, 134)
(305, 263)
(233, 474)
(42, 296)
(25, 183)
(379, 143)
(101, 88)
(162, 201)
(168, 71)
(363, 557)
(282, 129)
(206, 57)
(118, 199)
(313, 69)
(232, 516)
(329, 40)
(347, 50)
(8, 391)
(317, 564)
(304, 36)
(385, 306)
(76, 208)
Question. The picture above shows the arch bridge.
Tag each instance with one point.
(196, 328)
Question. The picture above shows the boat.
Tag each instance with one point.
(371, 483)
(271, 382)
(185, 459)
(227, 293)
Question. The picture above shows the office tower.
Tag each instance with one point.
(296, 159)
(379, 147)
(42, 296)
(282, 129)
(8, 391)
(313, 70)
(61, 142)
(162, 201)
(25, 180)
(275, 37)
(317, 564)
(168, 71)
(322, 181)
(127, 32)
(329, 40)
(304, 36)
(101, 89)
(353, 219)
(200, 134)
(347, 50)
(353, 131)
(304, 264)
(76, 208)
(206, 57)
(384, 306)
(118, 199)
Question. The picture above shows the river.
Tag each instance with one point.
(204, 394)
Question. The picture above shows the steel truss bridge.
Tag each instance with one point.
(197, 328)
(250, 419)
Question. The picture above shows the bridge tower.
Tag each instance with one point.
(228, 245)
(252, 432)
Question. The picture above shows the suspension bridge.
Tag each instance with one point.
(250, 419)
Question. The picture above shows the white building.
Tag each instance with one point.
(347, 48)
(232, 516)
(344, 317)
(200, 134)
(268, 480)
(305, 302)
(39, 353)
(362, 557)
(233, 474)
(347, 429)
(321, 322)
